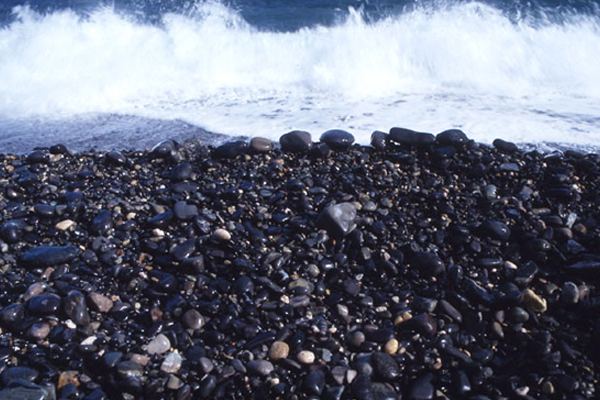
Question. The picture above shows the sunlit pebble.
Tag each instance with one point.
(158, 232)
(70, 324)
(306, 357)
(89, 340)
(65, 224)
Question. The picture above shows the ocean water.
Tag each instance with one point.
(125, 73)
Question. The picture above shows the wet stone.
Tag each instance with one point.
(20, 389)
(75, 308)
(338, 219)
(570, 293)
(184, 211)
(11, 231)
(422, 389)
(115, 158)
(44, 304)
(48, 256)
(231, 149)
(314, 383)
(385, 366)
(12, 314)
(183, 250)
(192, 319)
(181, 172)
(452, 137)
(496, 230)
(38, 331)
(379, 140)
(260, 145)
(295, 141)
(337, 139)
(504, 146)
(164, 149)
(428, 264)
(382, 391)
(361, 388)
(26, 373)
(261, 367)
(410, 137)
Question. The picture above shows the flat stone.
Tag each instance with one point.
(314, 383)
(261, 367)
(11, 315)
(184, 211)
(38, 331)
(410, 137)
(49, 256)
(130, 369)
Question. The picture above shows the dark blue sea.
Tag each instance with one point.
(126, 73)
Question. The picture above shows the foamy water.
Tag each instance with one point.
(467, 65)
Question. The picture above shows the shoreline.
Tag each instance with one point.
(421, 267)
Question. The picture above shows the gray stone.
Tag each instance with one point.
(338, 220)
(20, 389)
(159, 345)
(261, 367)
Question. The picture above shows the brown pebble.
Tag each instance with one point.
(279, 350)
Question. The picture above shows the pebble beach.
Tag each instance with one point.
(419, 267)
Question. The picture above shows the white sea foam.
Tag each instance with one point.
(464, 66)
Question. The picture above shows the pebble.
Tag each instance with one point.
(76, 309)
(26, 373)
(422, 389)
(379, 140)
(130, 369)
(100, 303)
(392, 346)
(385, 366)
(314, 383)
(49, 256)
(44, 304)
(261, 367)
(452, 137)
(534, 302)
(306, 357)
(192, 319)
(296, 141)
(231, 149)
(261, 145)
(221, 235)
(171, 363)
(410, 137)
(279, 350)
(338, 219)
(159, 345)
(184, 211)
(428, 264)
(20, 389)
(570, 293)
(337, 139)
(504, 146)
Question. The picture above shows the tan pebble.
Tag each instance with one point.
(279, 350)
(547, 388)
(391, 347)
(222, 234)
(67, 377)
(65, 224)
(306, 357)
(534, 302)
